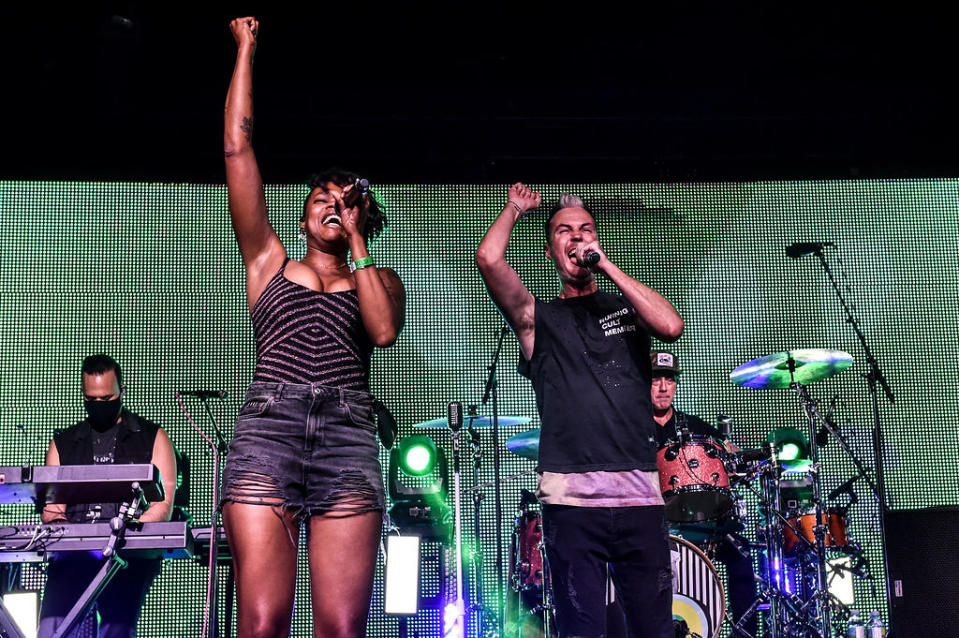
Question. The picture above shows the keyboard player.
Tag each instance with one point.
(109, 434)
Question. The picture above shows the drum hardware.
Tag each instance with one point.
(795, 369)
(477, 604)
(488, 621)
(473, 421)
(785, 609)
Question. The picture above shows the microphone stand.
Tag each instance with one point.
(477, 556)
(490, 391)
(873, 377)
(456, 426)
(219, 451)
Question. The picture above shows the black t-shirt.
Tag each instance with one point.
(693, 423)
(104, 444)
(590, 372)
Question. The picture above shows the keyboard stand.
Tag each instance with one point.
(112, 563)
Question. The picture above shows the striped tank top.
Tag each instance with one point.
(304, 336)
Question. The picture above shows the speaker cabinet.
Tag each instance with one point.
(923, 571)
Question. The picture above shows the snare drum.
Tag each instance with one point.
(694, 481)
(834, 521)
(526, 552)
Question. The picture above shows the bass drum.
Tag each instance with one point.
(698, 596)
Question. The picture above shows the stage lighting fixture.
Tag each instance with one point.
(22, 607)
(417, 482)
(839, 577)
(417, 455)
(792, 444)
(402, 595)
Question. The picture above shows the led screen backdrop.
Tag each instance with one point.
(150, 274)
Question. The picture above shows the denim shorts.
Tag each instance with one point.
(309, 449)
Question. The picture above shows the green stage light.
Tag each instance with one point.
(417, 455)
(791, 443)
(790, 452)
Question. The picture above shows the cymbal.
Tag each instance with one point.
(525, 444)
(772, 371)
(473, 421)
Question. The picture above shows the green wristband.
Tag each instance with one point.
(362, 262)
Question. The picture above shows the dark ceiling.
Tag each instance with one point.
(488, 92)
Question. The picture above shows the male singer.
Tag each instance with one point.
(587, 354)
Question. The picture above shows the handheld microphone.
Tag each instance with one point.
(360, 188)
(454, 416)
(801, 249)
(590, 257)
(203, 395)
(385, 424)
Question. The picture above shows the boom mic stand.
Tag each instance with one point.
(220, 449)
(873, 378)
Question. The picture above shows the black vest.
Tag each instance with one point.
(590, 371)
(134, 445)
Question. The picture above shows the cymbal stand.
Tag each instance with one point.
(774, 587)
(786, 609)
(477, 555)
(547, 601)
(820, 598)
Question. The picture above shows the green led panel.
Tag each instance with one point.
(150, 274)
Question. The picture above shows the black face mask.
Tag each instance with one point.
(103, 414)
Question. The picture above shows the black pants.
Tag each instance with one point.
(119, 604)
(581, 541)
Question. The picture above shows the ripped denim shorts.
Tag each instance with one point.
(309, 449)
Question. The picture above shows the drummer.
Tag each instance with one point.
(729, 550)
(665, 373)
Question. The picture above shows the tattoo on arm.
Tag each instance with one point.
(247, 128)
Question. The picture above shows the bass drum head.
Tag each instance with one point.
(698, 596)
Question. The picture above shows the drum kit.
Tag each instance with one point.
(704, 481)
